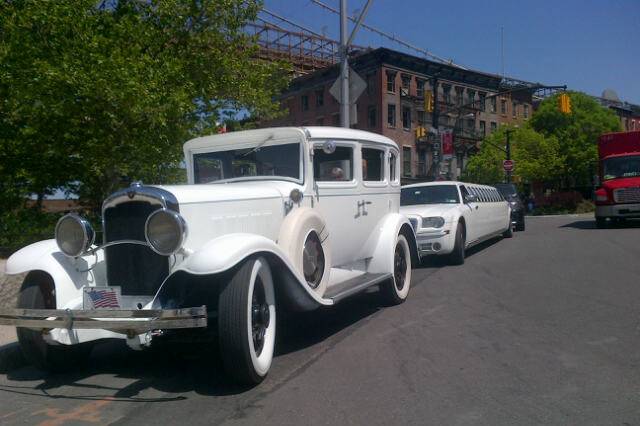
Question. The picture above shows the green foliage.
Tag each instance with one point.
(536, 157)
(19, 228)
(577, 133)
(91, 92)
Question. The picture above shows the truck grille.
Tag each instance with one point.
(137, 269)
(627, 195)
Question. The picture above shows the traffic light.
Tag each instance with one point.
(428, 100)
(564, 102)
(421, 132)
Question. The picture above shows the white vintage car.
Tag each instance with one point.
(281, 218)
(449, 217)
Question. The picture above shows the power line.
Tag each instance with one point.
(391, 37)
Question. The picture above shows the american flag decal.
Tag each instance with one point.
(104, 299)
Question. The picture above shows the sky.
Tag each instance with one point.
(589, 45)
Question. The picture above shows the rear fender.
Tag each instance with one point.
(211, 264)
(384, 240)
(69, 274)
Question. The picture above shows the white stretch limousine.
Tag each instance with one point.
(449, 217)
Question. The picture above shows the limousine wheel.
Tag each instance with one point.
(396, 289)
(247, 322)
(37, 292)
(457, 255)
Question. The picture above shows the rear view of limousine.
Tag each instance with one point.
(449, 217)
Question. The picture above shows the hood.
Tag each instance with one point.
(427, 210)
(621, 183)
(233, 191)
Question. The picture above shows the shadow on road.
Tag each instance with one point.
(591, 224)
(434, 261)
(172, 370)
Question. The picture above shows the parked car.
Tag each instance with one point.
(449, 217)
(518, 209)
(271, 219)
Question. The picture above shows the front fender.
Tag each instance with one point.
(223, 253)
(384, 240)
(69, 274)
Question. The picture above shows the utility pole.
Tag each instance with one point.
(508, 152)
(344, 66)
(345, 42)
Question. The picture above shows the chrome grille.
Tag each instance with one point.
(627, 195)
(137, 269)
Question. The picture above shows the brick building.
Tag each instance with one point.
(393, 104)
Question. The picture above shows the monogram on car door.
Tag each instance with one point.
(337, 192)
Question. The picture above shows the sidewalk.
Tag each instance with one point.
(8, 293)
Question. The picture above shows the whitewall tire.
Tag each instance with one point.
(247, 322)
(396, 290)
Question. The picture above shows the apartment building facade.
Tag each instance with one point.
(466, 104)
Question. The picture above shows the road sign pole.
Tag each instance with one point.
(508, 152)
(344, 67)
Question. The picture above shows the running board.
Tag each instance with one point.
(355, 285)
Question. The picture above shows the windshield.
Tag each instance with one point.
(621, 167)
(507, 189)
(280, 161)
(432, 194)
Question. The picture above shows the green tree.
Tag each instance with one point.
(536, 157)
(577, 133)
(91, 92)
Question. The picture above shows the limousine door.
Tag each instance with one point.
(472, 216)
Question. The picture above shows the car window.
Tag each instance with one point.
(372, 165)
(429, 194)
(393, 169)
(492, 192)
(463, 191)
(337, 166)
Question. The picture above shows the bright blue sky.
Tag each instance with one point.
(589, 45)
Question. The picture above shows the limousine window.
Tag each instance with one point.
(431, 194)
(337, 166)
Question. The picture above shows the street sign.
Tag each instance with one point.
(356, 87)
(507, 165)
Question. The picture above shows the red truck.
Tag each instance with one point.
(618, 196)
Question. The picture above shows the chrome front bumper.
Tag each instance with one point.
(129, 322)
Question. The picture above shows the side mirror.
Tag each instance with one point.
(470, 199)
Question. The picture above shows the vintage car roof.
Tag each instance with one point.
(319, 132)
(446, 182)
(327, 132)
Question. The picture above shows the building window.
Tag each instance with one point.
(422, 118)
(514, 109)
(446, 91)
(471, 97)
(406, 117)
(391, 115)
(319, 97)
(371, 116)
(482, 101)
(525, 111)
(459, 96)
(420, 88)
(406, 83)
(304, 103)
(503, 106)
(370, 83)
(320, 121)
(494, 126)
(391, 82)
(406, 161)
(494, 107)
(483, 128)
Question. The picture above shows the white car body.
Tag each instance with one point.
(482, 218)
(229, 221)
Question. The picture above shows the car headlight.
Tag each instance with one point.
(165, 231)
(513, 203)
(432, 222)
(74, 235)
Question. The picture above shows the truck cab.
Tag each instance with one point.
(618, 196)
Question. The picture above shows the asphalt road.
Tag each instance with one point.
(542, 328)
